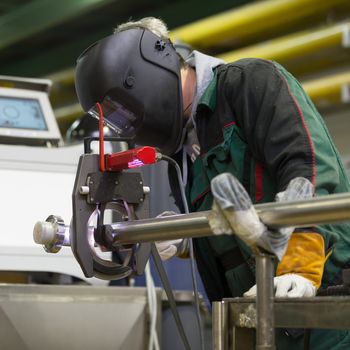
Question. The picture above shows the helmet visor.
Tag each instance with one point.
(116, 116)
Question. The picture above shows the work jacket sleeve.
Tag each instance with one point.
(279, 122)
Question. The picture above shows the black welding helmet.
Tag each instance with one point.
(135, 76)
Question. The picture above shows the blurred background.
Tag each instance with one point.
(310, 38)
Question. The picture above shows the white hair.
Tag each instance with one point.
(154, 25)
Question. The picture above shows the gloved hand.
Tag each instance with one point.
(289, 285)
(170, 248)
(300, 271)
(233, 212)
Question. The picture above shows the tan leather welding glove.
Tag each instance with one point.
(300, 271)
(305, 257)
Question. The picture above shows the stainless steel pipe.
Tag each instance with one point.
(220, 325)
(315, 211)
(265, 332)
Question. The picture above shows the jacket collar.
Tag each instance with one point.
(208, 98)
(204, 66)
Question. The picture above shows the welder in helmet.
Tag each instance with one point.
(251, 123)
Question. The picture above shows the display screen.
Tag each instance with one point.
(21, 113)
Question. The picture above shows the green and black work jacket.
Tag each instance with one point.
(255, 121)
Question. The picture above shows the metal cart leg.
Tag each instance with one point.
(265, 333)
(220, 325)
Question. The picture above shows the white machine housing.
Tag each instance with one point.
(36, 180)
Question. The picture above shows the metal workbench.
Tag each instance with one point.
(235, 319)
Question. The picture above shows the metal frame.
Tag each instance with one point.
(332, 208)
(235, 319)
(231, 327)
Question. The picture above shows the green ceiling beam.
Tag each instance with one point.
(175, 14)
(53, 60)
(39, 15)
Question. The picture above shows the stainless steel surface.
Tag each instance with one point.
(316, 211)
(305, 313)
(170, 227)
(332, 312)
(37, 317)
(265, 333)
(220, 325)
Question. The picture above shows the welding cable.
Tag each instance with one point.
(152, 305)
(101, 137)
(168, 291)
(193, 268)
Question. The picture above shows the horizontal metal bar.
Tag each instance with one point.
(171, 227)
(317, 312)
(311, 212)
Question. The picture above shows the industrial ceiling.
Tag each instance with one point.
(43, 38)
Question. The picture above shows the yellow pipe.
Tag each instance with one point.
(64, 76)
(248, 21)
(291, 46)
(328, 90)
